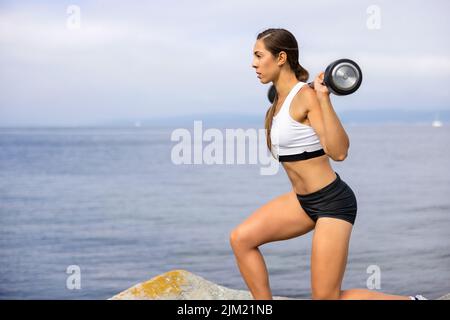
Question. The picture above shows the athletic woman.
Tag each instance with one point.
(303, 132)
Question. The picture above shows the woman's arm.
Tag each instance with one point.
(323, 117)
(337, 139)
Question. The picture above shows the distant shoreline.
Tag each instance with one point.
(206, 123)
(234, 120)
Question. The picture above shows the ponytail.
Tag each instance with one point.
(301, 73)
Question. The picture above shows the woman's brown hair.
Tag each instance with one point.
(275, 41)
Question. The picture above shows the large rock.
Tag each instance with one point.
(182, 285)
(445, 297)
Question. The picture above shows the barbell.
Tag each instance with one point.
(342, 77)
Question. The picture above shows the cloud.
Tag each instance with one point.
(169, 58)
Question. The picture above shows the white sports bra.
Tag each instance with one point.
(292, 140)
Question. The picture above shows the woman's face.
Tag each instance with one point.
(264, 63)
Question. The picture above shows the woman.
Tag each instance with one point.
(304, 130)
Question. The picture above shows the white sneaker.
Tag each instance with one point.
(418, 297)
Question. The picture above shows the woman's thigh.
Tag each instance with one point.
(279, 219)
(329, 256)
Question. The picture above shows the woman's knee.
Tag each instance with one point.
(239, 239)
(325, 294)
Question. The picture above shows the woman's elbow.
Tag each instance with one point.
(340, 157)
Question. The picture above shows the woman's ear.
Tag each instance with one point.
(282, 58)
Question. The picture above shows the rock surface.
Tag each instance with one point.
(445, 297)
(183, 285)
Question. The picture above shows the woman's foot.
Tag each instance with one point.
(417, 297)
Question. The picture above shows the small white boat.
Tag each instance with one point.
(436, 123)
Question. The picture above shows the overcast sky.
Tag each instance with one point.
(140, 60)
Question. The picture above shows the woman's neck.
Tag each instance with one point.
(284, 84)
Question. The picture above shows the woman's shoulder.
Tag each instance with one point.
(305, 92)
(304, 95)
(300, 102)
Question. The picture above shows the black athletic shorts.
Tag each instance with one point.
(336, 200)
